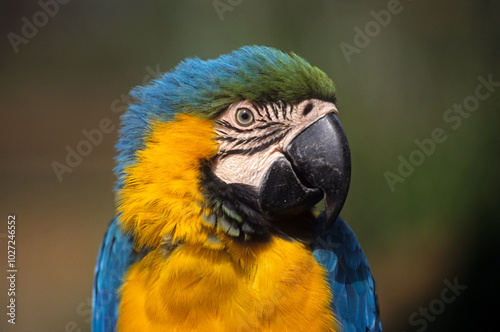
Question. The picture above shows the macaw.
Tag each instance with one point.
(221, 164)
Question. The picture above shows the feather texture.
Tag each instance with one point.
(115, 257)
(337, 250)
(349, 276)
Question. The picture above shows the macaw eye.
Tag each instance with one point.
(244, 117)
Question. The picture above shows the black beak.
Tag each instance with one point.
(317, 165)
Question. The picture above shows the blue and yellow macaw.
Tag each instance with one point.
(220, 165)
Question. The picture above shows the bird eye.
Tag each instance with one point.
(244, 117)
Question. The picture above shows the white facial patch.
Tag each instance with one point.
(252, 135)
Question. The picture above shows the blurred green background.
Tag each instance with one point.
(439, 224)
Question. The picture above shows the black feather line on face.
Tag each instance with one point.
(275, 107)
(267, 112)
(257, 106)
(227, 125)
(240, 200)
(284, 110)
(256, 149)
(255, 138)
(226, 139)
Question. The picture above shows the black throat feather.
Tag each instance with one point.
(235, 207)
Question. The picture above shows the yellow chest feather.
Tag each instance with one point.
(277, 287)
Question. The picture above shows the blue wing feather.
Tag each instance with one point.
(354, 298)
(115, 256)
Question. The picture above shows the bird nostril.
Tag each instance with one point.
(307, 109)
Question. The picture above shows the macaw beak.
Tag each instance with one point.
(316, 165)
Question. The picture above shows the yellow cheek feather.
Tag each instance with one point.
(273, 286)
(161, 194)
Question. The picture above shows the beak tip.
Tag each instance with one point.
(330, 218)
(334, 204)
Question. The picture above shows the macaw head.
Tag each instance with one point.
(234, 149)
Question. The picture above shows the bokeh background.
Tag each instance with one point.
(440, 224)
